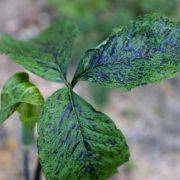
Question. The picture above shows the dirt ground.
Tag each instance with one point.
(148, 116)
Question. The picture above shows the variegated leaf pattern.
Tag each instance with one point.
(76, 141)
(145, 51)
(48, 55)
(18, 90)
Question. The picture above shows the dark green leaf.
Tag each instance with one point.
(145, 51)
(47, 56)
(18, 90)
(76, 141)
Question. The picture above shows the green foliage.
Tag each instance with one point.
(145, 51)
(109, 13)
(20, 95)
(18, 90)
(76, 141)
(47, 56)
(79, 8)
(160, 6)
(97, 18)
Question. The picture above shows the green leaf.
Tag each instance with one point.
(18, 90)
(76, 141)
(145, 51)
(47, 56)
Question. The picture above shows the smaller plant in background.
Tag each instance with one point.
(74, 140)
(19, 95)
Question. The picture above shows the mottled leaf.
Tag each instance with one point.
(47, 56)
(145, 51)
(76, 141)
(18, 90)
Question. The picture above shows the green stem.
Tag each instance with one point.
(27, 138)
(73, 83)
(37, 174)
(26, 165)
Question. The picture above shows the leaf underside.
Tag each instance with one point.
(18, 90)
(77, 142)
(48, 55)
(145, 51)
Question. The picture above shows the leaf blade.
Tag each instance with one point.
(18, 90)
(77, 142)
(145, 51)
(48, 55)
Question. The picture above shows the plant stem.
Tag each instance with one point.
(73, 83)
(37, 175)
(26, 164)
(27, 137)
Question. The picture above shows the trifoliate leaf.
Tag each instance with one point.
(76, 141)
(18, 90)
(47, 56)
(145, 51)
